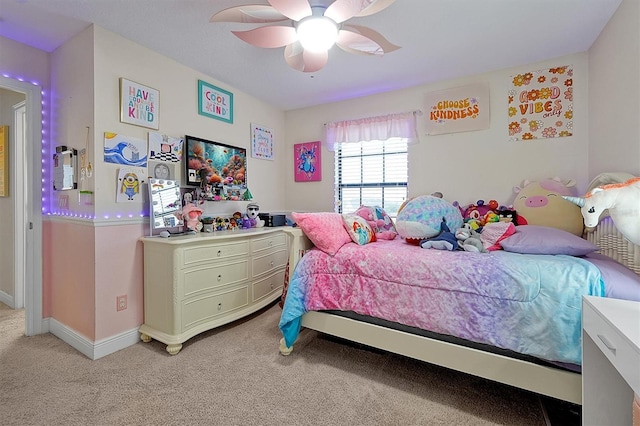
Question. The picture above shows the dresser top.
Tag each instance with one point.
(211, 236)
(623, 315)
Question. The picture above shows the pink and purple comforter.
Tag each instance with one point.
(530, 304)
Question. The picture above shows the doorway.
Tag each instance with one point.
(26, 188)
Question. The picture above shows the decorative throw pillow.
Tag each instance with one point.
(379, 220)
(494, 232)
(358, 228)
(534, 239)
(325, 230)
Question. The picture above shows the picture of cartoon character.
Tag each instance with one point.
(130, 185)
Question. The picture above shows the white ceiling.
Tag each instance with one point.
(440, 40)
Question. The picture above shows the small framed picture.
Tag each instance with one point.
(233, 193)
(215, 102)
(261, 142)
(139, 104)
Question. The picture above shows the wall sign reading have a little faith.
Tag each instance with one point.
(138, 104)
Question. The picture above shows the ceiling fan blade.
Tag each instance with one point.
(375, 7)
(270, 36)
(293, 9)
(249, 14)
(363, 40)
(293, 56)
(341, 10)
(304, 60)
(314, 61)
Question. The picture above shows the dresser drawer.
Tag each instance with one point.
(209, 277)
(207, 307)
(194, 255)
(270, 262)
(267, 286)
(269, 242)
(618, 350)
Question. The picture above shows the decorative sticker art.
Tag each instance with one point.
(541, 104)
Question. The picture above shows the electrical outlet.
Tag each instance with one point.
(121, 302)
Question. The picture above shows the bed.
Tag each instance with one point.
(440, 307)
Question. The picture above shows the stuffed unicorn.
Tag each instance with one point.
(623, 202)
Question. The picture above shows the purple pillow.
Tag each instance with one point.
(535, 239)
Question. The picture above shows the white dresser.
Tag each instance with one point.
(610, 360)
(194, 283)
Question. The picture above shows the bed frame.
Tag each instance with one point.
(554, 382)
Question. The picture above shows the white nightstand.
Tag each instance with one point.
(610, 360)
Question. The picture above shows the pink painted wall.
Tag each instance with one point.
(119, 271)
(70, 269)
(86, 268)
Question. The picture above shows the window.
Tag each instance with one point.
(372, 173)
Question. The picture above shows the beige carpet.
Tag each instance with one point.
(234, 375)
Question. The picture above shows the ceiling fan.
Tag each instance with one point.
(315, 26)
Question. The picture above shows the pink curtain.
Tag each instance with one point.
(402, 125)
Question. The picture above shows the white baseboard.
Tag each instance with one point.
(97, 349)
(7, 299)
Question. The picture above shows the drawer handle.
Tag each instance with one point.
(607, 343)
(219, 277)
(219, 306)
(219, 253)
(270, 243)
(271, 263)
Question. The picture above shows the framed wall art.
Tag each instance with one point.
(138, 104)
(307, 162)
(215, 102)
(216, 163)
(261, 142)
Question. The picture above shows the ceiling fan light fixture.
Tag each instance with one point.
(317, 33)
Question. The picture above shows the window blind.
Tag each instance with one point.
(372, 173)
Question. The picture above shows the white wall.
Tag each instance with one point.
(614, 94)
(117, 57)
(463, 166)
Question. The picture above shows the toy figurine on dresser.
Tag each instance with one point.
(190, 214)
(252, 217)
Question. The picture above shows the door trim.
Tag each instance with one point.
(29, 221)
(19, 206)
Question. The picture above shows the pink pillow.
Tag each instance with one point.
(494, 232)
(325, 230)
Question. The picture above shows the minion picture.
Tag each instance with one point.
(129, 182)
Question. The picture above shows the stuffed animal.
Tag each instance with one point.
(190, 214)
(541, 203)
(469, 240)
(479, 210)
(507, 214)
(219, 224)
(623, 202)
(252, 214)
(421, 218)
(445, 240)
(379, 221)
